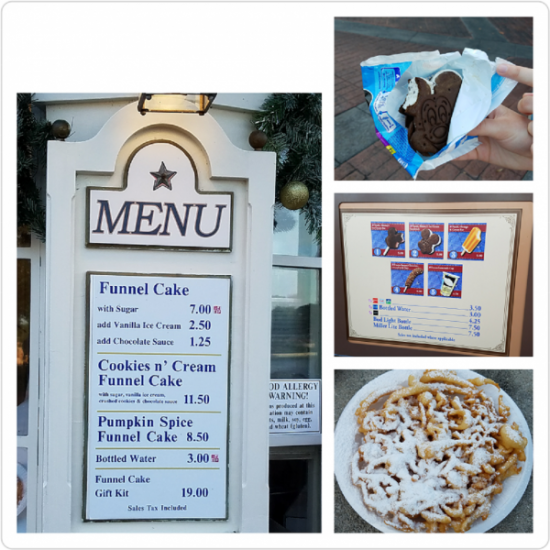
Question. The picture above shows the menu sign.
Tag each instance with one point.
(442, 297)
(158, 369)
(160, 206)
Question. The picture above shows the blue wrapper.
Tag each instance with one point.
(386, 79)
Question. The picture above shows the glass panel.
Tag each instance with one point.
(23, 237)
(23, 333)
(296, 324)
(288, 503)
(294, 494)
(22, 462)
(290, 236)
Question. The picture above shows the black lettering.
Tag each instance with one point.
(171, 208)
(105, 209)
(200, 208)
(149, 218)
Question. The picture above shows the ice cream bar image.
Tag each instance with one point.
(412, 276)
(472, 240)
(448, 283)
(393, 240)
(428, 241)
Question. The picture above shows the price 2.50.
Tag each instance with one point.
(200, 325)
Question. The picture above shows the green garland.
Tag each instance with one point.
(32, 136)
(292, 123)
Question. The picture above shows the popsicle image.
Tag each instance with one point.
(472, 240)
(393, 240)
(412, 276)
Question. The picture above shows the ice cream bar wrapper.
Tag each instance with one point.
(386, 79)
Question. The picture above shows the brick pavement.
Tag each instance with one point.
(359, 155)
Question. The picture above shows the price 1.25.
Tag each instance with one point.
(200, 342)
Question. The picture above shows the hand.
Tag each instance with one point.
(523, 76)
(507, 137)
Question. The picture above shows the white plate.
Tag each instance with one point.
(22, 475)
(347, 441)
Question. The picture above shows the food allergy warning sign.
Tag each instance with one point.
(294, 406)
(158, 369)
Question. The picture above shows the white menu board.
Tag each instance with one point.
(158, 369)
(441, 279)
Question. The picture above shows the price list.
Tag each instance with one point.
(426, 322)
(158, 369)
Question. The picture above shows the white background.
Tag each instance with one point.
(248, 47)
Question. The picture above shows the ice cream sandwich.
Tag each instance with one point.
(428, 109)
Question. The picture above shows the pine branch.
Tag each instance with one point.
(292, 123)
(32, 136)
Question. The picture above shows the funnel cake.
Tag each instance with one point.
(434, 455)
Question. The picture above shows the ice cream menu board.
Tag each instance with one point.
(450, 286)
(158, 369)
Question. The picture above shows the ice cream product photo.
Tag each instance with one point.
(407, 278)
(388, 239)
(426, 240)
(445, 280)
(466, 241)
(424, 104)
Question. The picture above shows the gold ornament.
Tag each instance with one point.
(294, 195)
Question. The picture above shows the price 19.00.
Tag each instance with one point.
(194, 492)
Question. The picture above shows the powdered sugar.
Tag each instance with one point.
(402, 472)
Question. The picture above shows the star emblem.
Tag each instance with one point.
(163, 178)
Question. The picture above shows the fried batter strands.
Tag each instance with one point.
(435, 453)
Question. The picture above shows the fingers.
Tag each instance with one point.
(492, 128)
(520, 74)
(530, 128)
(487, 123)
(525, 105)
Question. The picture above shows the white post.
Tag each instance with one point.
(221, 167)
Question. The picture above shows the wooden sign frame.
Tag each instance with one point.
(388, 209)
